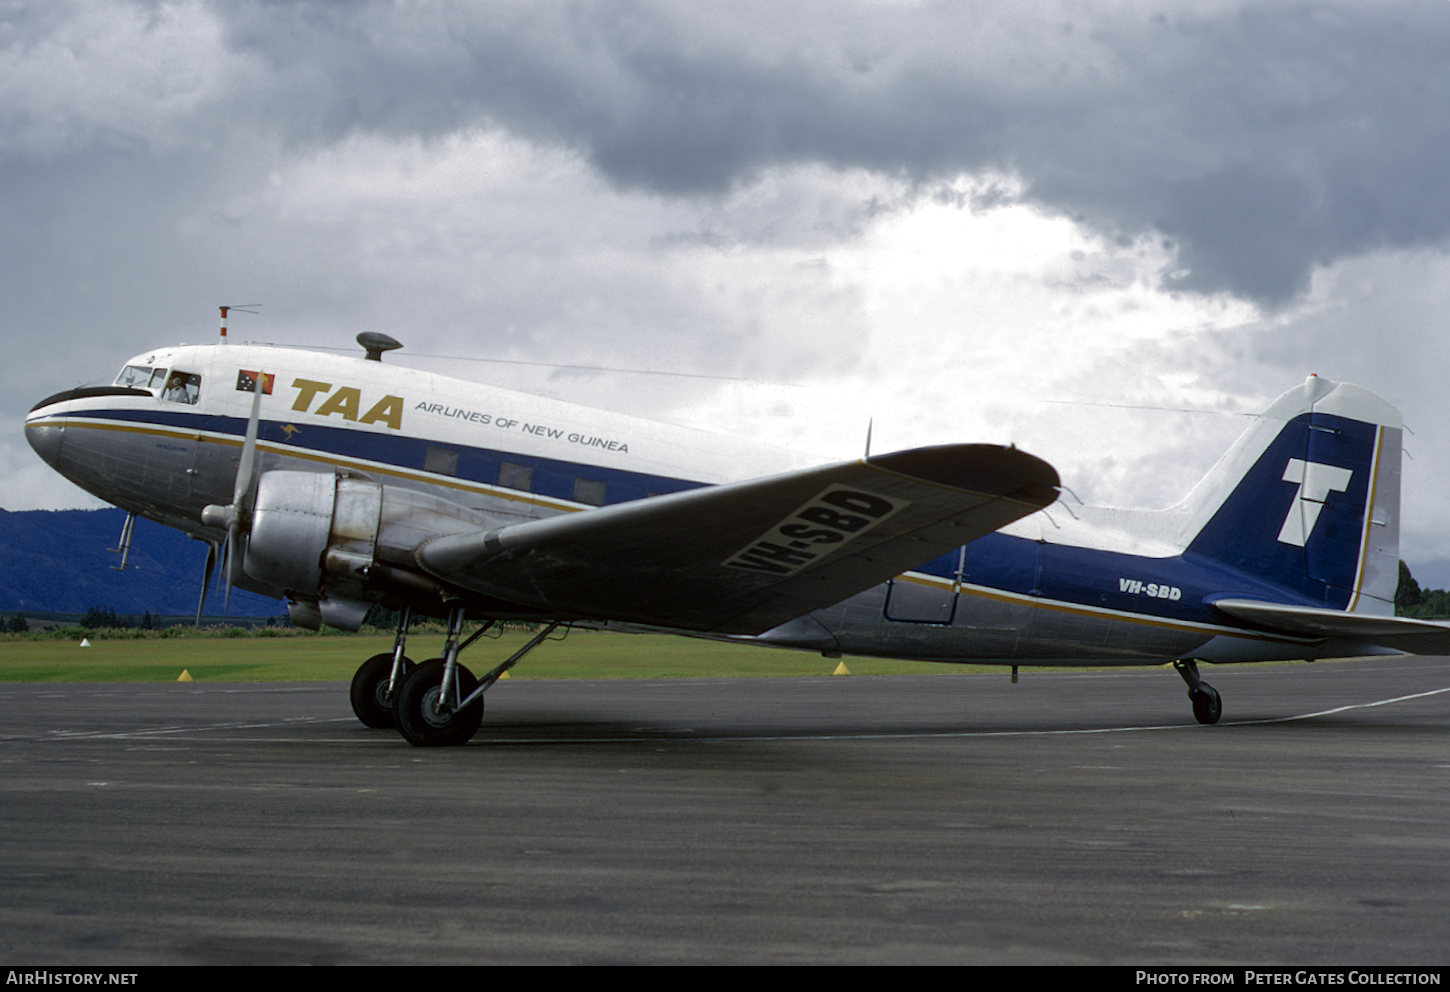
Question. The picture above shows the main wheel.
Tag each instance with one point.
(371, 700)
(421, 714)
(1207, 707)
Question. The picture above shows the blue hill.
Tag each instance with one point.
(60, 561)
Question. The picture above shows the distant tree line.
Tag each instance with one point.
(1412, 601)
(105, 618)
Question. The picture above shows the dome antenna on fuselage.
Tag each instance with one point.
(244, 308)
(375, 343)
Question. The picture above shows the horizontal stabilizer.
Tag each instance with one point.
(1400, 633)
(745, 557)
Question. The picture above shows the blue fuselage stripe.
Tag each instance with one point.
(552, 478)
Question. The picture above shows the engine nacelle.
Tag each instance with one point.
(341, 542)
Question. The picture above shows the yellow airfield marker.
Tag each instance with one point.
(185, 676)
(841, 669)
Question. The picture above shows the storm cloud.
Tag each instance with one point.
(1260, 140)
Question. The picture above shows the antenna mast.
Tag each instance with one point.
(243, 308)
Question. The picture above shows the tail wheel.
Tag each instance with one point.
(426, 719)
(371, 700)
(1207, 707)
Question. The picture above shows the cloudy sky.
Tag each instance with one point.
(1105, 231)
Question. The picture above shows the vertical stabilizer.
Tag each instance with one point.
(1308, 499)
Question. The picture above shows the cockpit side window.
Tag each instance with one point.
(182, 387)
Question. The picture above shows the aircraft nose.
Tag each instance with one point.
(45, 437)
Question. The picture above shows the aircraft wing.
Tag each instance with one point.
(1401, 633)
(745, 557)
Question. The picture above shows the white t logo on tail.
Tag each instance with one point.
(1316, 481)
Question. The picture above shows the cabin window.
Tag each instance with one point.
(590, 491)
(520, 477)
(182, 387)
(441, 461)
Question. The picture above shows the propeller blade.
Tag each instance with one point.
(238, 511)
(233, 565)
(241, 495)
(211, 555)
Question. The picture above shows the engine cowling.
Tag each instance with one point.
(291, 525)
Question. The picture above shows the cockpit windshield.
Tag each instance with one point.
(178, 387)
(141, 377)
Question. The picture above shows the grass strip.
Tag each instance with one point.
(311, 658)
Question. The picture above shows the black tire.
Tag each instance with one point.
(369, 693)
(1207, 707)
(417, 713)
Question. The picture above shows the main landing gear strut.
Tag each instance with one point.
(438, 703)
(376, 684)
(1207, 707)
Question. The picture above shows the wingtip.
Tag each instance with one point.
(982, 468)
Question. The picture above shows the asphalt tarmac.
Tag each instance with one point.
(959, 819)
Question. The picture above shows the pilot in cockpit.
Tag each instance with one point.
(181, 388)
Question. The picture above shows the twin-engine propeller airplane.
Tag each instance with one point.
(338, 482)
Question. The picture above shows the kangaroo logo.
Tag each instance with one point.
(1316, 481)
